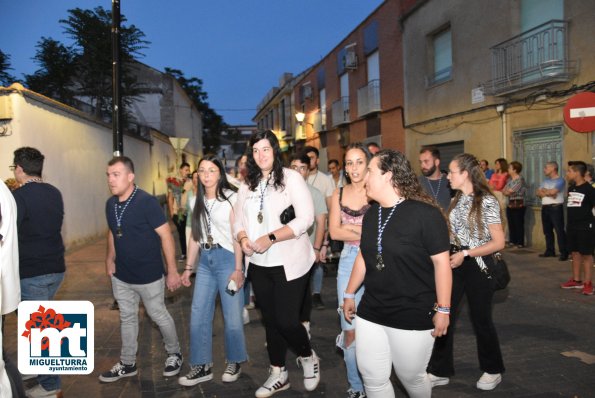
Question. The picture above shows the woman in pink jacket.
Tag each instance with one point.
(279, 254)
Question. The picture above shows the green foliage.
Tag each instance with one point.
(54, 79)
(5, 77)
(213, 124)
(85, 68)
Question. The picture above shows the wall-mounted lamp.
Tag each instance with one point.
(300, 116)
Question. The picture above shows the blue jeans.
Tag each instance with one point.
(214, 269)
(343, 273)
(43, 287)
(128, 296)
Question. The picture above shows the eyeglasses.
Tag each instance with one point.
(454, 171)
(12, 167)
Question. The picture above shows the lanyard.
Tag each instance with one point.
(119, 216)
(381, 227)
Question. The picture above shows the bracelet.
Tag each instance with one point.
(441, 309)
(317, 249)
(189, 269)
(242, 238)
(348, 295)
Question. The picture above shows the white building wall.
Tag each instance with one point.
(76, 152)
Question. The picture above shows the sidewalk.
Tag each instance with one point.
(536, 320)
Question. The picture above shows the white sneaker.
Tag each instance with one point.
(311, 368)
(245, 316)
(437, 380)
(489, 381)
(278, 381)
(39, 392)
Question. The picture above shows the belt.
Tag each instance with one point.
(209, 246)
(552, 205)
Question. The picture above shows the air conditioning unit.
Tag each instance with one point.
(350, 58)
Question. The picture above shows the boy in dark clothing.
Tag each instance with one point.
(580, 227)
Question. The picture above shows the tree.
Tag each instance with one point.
(54, 78)
(5, 77)
(84, 70)
(213, 124)
(91, 32)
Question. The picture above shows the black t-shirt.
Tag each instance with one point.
(40, 213)
(402, 295)
(581, 200)
(138, 250)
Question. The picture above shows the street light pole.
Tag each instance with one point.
(118, 144)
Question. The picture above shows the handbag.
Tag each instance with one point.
(497, 270)
(287, 215)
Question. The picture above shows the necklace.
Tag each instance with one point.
(381, 226)
(119, 216)
(262, 187)
(209, 234)
(35, 179)
(435, 194)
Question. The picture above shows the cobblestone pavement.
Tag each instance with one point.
(547, 336)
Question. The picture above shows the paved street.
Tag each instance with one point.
(537, 322)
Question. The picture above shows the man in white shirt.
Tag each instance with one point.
(10, 286)
(323, 182)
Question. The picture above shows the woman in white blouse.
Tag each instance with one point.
(279, 256)
(220, 263)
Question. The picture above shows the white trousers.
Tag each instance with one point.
(408, 351)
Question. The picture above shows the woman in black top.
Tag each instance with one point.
(404, 266)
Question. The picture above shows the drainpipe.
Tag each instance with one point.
(501, 111)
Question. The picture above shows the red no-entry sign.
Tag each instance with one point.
(579, 112)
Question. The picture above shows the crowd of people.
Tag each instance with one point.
(410, 248)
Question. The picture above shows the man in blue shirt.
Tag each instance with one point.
(138, 232)
(485, 166)
(551, 192)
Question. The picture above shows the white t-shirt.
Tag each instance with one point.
(324, 183)
(220, 212)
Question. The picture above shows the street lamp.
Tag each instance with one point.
(300, 133)
(300, 116)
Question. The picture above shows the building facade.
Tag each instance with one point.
(492, 78)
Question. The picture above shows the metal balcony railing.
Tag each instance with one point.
(533, 58)
(368, 98)
(340, 111)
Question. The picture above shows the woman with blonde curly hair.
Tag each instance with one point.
(403, 264)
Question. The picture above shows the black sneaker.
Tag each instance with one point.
(197, 374)
(173, 364)
(355, 394)
(117, 372)
(317, 301)
(232, 372)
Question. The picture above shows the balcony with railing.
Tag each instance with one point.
(368, 98)
(340, 111)
(319, 119)
(533, 58)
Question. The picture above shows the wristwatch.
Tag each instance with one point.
(272, 237)
(466, 254)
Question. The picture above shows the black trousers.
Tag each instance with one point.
(552, 219)
(180, 223)
(280, 302)
(469, 280)
(516, 225)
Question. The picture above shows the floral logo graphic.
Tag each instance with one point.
(43, 319)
